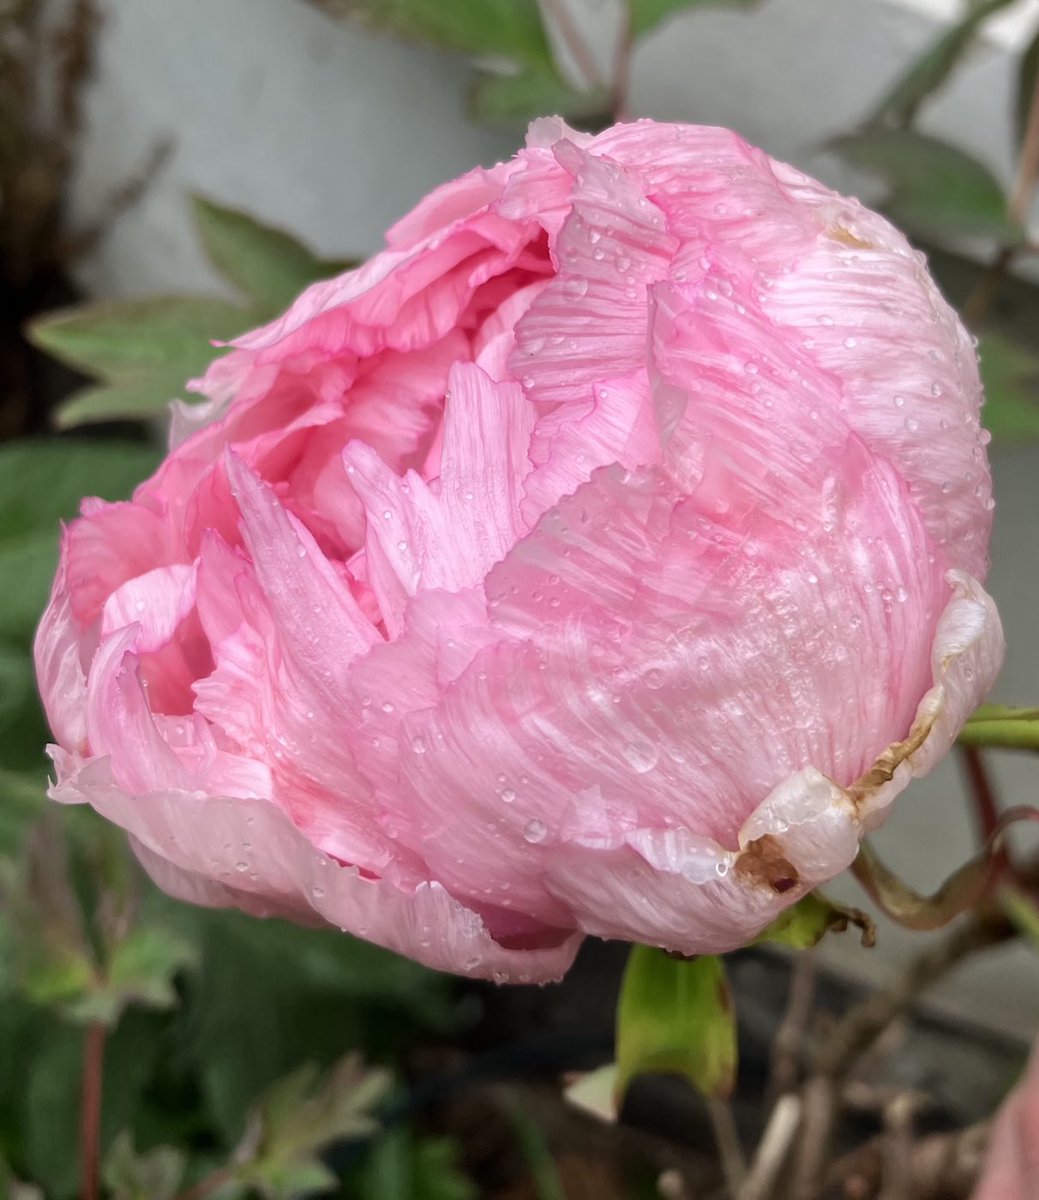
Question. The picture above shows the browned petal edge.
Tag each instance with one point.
(763, 863)
(889, 761)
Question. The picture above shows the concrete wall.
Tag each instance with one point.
(334, 133)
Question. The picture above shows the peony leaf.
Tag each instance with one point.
(504, 99)
(645, 15)
(121, 338)
(146, 350)
(675, 1015)
(53, 960)
(932, 69)
(141, 970)
(299, 1117)
(933, 187)
(805, 923)
(509, 29)
(150, 1175)
(419, 1168)
(269, 266)
(1006, 728)
(1010, 373)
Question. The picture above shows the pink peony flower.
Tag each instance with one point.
(602, 557)
(1012, 1163)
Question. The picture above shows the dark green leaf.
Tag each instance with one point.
(1010, 373)
(509, 29)
(42, 482)
(509, 99)
(420, 1169)
(675, 1015)
(323, 992)
(49, 1096)
(646, 14)
(1027, 78)
(152, 1175)
(934, 188)
(925, 76)
(268, 265)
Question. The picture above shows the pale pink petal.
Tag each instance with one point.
(589, 325)
(1012, 1162)
(448, 533)
(252, 857)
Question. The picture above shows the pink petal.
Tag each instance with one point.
(216, 850)
(449, 533)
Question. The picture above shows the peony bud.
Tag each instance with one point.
(602, 557)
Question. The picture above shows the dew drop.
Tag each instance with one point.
(535, 831)
(508, 795)
(575, 287)
(654, 678)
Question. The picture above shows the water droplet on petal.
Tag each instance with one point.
(535, 831)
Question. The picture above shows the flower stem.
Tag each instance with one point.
(90, 1110)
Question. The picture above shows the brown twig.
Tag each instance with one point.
(621, 82)
(1027, 165)
(727, 1139)
(789, 1037)
(985, 806)
(859, 1029)
(90, 1110)
(773, 1149)
(571, 37)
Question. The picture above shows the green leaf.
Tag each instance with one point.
(924, 77)
(400, 1165)
(141, 971)
(142, 351)
(123, 339)
(510, 29)
(805, 923)
(1027, 75)
(1010, 374)
(268, 265)
(323, 992)
(1007, 728)
(299, 1117)
(152, 1175)
(647, 14)
(675, 1015)
(508, 99)
(934, 188)
(51, 955)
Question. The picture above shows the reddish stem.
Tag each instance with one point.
(985, 806)
(90, 1111)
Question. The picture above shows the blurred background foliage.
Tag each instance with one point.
(246, 1058)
